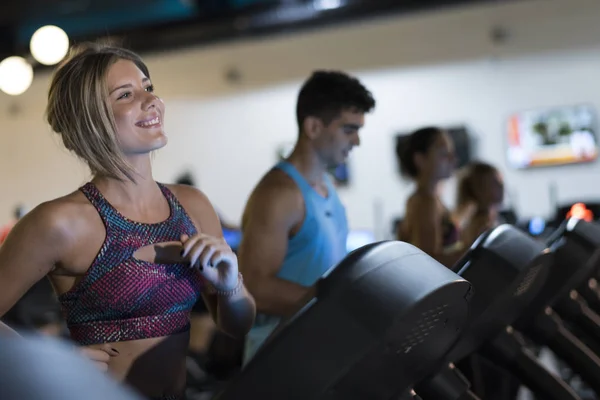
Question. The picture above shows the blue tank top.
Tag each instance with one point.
(321, 241)
(319, 244)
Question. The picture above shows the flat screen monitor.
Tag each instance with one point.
(552, 136)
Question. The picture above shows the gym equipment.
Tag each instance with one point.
(590, 292)
(507, 268)
(36, 368)
(509, 350)
(542, 324)
(381, 319)
(565, 211)
(35, 309)
(578, 243)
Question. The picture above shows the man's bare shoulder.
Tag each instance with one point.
(277, 187)
(276, 196)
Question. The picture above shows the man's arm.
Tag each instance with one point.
(274, 209)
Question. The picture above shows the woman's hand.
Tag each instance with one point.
(213, 258)
(99, 356)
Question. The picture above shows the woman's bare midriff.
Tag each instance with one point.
(154, 367)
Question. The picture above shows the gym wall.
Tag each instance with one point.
(471, 66)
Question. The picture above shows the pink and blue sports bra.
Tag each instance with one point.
(122, 298)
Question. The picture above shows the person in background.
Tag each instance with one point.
(294, 225)
(480, 193)
(188, 179)
(479, 196)
(428, 159)
(18, 213)
(127, 256)
(37, 311)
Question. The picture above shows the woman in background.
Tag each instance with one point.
(428, 159)
(480, 192)
(127, 256)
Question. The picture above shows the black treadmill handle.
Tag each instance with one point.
(507, 349)
(591, 293)
(590, 320)
(448, 383)
(575, 309)
(408, 395)
(539, 380)
(572, 350)
(468, 395)
(415, 396)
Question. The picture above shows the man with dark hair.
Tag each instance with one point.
(294, 225)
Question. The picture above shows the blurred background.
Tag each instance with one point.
(515, 82)
(229, 72)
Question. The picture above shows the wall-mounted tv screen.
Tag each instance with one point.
(552, 136)
(462, 144)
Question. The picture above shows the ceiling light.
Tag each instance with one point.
(16, 75)
(49, 45)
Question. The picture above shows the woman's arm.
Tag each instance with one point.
(29, 252)
(233, 314)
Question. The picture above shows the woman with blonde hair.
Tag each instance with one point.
(127, 256)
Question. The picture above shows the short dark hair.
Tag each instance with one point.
(186, 179)
(327, 93)
(420, 141)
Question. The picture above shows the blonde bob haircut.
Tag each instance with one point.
(79, 109)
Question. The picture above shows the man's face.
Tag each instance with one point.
(334, 141)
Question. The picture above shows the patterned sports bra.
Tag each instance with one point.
(122, 298)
